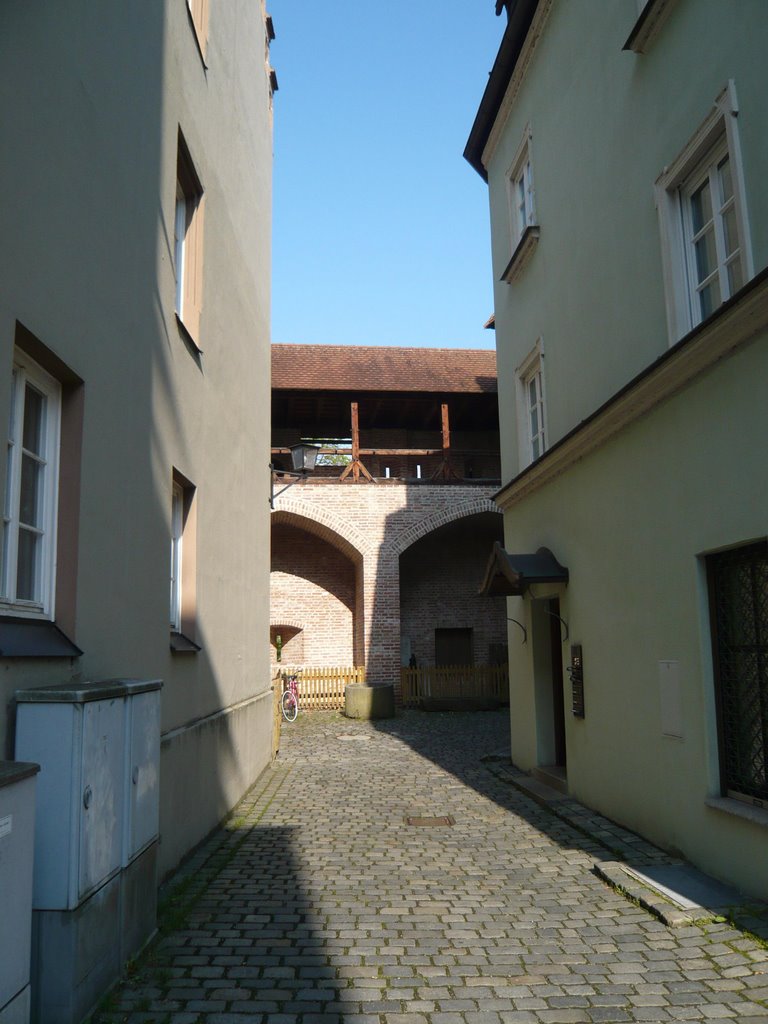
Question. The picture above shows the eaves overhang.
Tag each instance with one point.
(733, 325)
(511, 575)
(521, 14)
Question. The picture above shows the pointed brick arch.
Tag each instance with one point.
(448, 515)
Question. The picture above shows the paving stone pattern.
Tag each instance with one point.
(319, 904)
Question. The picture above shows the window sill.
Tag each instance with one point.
(652, 17)
(34, 638)
(738, 809)
(522, 254)
(181, 644)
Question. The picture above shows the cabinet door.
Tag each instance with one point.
(101, 815)
(142, 803)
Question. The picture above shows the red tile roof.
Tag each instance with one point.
(374, 368)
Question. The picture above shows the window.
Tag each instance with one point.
(521, 196)
(531, 412)
(706, 248)
(524, 231)
(31, 492)
(183, 564)
(738, 588)
(198, 12)
(713, 249)
(188, 242)
(177, 533)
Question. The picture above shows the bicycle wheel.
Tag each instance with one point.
(289, 706)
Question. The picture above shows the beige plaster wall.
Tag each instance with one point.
(93, 102)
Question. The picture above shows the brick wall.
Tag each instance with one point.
(312, 587)
(368, 527)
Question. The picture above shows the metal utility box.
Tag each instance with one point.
(94, 894)
(17, 816)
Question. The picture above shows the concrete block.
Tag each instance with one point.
(368, 702)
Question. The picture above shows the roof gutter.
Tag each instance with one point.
(520, 13)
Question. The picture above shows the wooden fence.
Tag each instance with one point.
(322, 688)
(454, 682)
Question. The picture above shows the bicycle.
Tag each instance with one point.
(289, 701)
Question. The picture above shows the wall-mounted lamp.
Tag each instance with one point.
(303, 460)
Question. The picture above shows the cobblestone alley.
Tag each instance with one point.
(321, 904)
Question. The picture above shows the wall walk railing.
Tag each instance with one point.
(454, 682)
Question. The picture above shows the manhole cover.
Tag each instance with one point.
(444, 819)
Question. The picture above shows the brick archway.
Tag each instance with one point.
(324, 524)
(316, 582)
(449, 515)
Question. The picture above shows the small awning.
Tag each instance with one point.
(511, 575)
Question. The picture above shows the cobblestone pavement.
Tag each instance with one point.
(320, 904)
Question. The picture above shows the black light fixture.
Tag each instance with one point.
(303, 460)
(303, 457)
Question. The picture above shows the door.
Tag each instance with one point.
(453, 647)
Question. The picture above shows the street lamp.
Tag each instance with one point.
(303, 460)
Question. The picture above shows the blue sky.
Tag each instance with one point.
(380, 233)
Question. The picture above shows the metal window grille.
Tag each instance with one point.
(739, 606)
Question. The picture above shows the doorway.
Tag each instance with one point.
(453, 647)
(549, 692)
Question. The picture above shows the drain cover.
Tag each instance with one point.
(445, 819)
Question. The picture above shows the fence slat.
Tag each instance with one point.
(453, 682)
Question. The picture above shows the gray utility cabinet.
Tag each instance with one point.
(96, 835)
(17, 822)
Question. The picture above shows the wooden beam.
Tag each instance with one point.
(445, 470)
(356, 467)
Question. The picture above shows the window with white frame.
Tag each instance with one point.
(188, 242)
(31, 491)
(714, 252)
(520, 183)
(706, 247)
(183, 565)
(177, 535)
(531, 408)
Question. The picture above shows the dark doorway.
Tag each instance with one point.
(558, 696)
(453, 647)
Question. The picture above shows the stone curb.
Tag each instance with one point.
(613, 872)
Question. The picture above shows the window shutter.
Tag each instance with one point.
(203, 23)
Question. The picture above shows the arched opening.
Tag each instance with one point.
(443, 620)
(286, 643)
(315, 585)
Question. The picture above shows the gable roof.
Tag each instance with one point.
(383, 368)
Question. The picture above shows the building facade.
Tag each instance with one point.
(134, 375)
(630, 240)
(377, 557)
